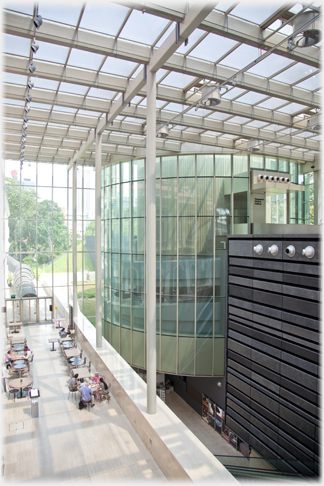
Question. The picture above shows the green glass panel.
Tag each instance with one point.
(138, 237)
(125, 344)
(205, 206)
(107, 309)
(169, 236)
(204, 319)
(240, 165)
(115, 178)
(169, 280)
(256, 162)
(157, 197)
(107, 235)
(158, 354)
(220, 317)
(115, 234)
(186, 166)
(204, 356)
(283, 165)
(187, 197)
(186, 319)
(125, 270)
(138, 275)
(115, 307)
(115, 202)
(138, 349)
(138, 311)
(205, 165)
(204, 277)
(158, 233)
(115, 338)
(219, 351)
(125, 171)
(158, 318)
(271, 163)
(115, 270)
(223, 166)
(187, 235)
(138, 200)
(223, 187)
(220, 273)
(186, 278)
(125, 235)
(293, 172)
(169, 166)
(125, 200)
(205, 235)
(168, 354)
(108, 175)
(169, 197)
(138, 170)
(169, 317)
(107, 203)
(186, 356)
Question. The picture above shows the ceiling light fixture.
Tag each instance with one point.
(162, 131)
(34, 47)
(210, 96)
(29, 98)
(30, 84)
(38, 20)
(253, 145)
(26, 119)
(25, 125)
(32, 67)
(312, 33)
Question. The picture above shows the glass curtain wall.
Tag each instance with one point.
(39, 230)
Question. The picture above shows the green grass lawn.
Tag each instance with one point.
(60, 264)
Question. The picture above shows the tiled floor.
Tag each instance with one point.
(64, 443)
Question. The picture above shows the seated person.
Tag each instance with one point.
(27, 354)
(73, 383)
(104, 388)
(96, 378)
(9, 358)
(63, 332)
(69, 329)
(87, 395)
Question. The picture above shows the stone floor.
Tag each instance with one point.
(64, 443)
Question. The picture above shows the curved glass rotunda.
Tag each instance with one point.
(199, 199)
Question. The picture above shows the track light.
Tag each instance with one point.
(29, 98)
(32, 67)
(211, 96)
(26, 119)
(27, 108)
(30, 85)
(24, 135)
(162, 131)
(34, 47)
(38, 20)
(25, 125)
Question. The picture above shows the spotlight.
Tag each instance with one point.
(30, 84)
(38, 21)
(26, 119)
(29, 98)
(24, 134)
(34, 47)
(211, 96)
(162, 131)
(23, 140)
(27, 108)
(23, 145)
(32, 67)
(25, 125)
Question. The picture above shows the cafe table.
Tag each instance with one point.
(71, 353)
(20, 383)
(82, 372)
(18, 347)
(68, 344)
(53, 340)
(19, 367)
(14, 326)
(76, 361)
(17, 340)
(66, 339)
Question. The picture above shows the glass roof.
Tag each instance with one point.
(108, 44)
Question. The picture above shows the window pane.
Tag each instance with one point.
(205, 196)
(187, 203)
(187, 166)
(169, 166)
(169, 197)
(223, 165)
(187, 235)
(169, 236)
(205, 165)
(240, 165)
(256, 162)
(271, 164)
(138, 199)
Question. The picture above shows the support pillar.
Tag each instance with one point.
(98, 241)
(150, 238)
(74, 243)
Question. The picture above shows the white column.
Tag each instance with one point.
(98, 241)
(150, 238)
(74, 242)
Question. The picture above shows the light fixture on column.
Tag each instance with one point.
(38, 20)
(34, 47)
(30, 84)
(26, 119)
(29, 98)
(27, 108)
(32, 67)
(25, 125)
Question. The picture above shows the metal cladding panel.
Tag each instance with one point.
(272, 363)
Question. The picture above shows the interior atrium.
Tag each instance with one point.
(153, 154)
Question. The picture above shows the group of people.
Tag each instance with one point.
(11, 357)
(86, 393)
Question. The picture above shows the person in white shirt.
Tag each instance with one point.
(28, 356)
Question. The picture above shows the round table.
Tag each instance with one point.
(19, 361)
(20, 383)
(19, 367)
(18, 347)
(76, 361)
(68, 344)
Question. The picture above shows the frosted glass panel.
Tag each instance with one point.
(256, 162)
(125, 172)
(169, 236)
(138, 199)
(240, 165)
(125, 200)
(222, 165)
(169, 166)
(169, 197)
(205, 165)
(271, 164)
(186, 313)
(204, 350)
(186, 356)
(187, 236)
(205, 206)
(187, 166)
(168, 354)
(187, 199)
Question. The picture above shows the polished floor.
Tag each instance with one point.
(64, 443)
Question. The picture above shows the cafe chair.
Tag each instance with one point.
(72, 392)
(14, 391)
(27, 389)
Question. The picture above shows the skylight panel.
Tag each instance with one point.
(296, 72)
(251, 98)
(136, 100)
(255, 12)
(106, 18)
(192, 39)
(311, 83)
(165, 35)
(159, 103)
(174, 107)
(271, 103)
(65, 109)
(239, 119)
(292, 108)
(45, 83)
(12, 44)
(241, 57)
(178, 80)
(233, 93)
(143, 28)
(199, 112)
(101, 93)
(212, 47)
(134, 120)
(20, 7)
(287, 29)
(218, 116)
(44, 106)
(120, 67)
(85, 60)
(274, 127)
(90, 113)
(225, 5)
(73, 88)
(257, 124)
(69, 14)
(14, 78)
(13, 102)
(51, 52)
(270, 65)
